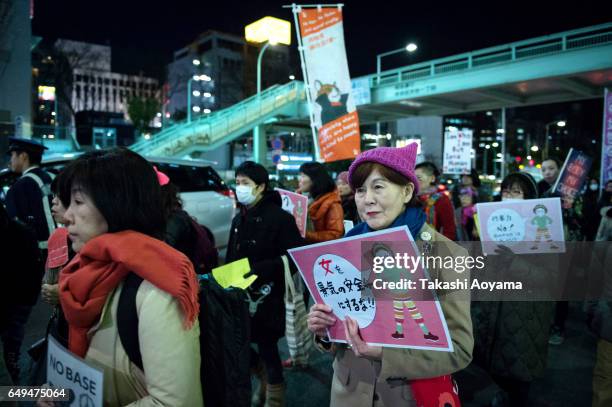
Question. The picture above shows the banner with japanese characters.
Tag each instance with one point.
(457, 151)
(393, 305)
(334, 114)
(297, 206)
(572, 175)
(606, 145)
(524, 226)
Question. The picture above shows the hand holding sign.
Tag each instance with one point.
(320, 319)
(360, 348)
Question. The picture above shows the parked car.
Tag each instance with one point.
(204, 194)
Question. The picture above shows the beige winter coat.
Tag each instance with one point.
(170, 354)
(361, 382)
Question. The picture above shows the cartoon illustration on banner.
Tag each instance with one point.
(532, 226)
(333, 110)
(393, 308)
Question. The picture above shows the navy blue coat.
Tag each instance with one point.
(24, 202)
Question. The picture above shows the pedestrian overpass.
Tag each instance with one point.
(568, 66)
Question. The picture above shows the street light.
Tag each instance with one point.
(259, 58)
(197, 78)
(560, 123)
(408, 48)
(193, 78)
(271, 31)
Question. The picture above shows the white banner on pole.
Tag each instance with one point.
(606, 141)
(457, 151)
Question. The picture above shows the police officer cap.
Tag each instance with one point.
(24, 144)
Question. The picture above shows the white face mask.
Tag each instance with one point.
(511, 199)
(244, 193)
(593, 187)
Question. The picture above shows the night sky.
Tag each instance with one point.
(144, 34)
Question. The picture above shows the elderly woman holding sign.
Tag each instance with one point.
(386, 196)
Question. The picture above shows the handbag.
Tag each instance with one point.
(435, 392)
(299, 338)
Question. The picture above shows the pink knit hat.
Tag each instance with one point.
(162, 178)
(343, 176)
(401, 160)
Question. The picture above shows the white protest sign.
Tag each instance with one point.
(526, 225)
(457, 151)
(67, 371)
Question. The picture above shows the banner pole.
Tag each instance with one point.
(503, 143)
(603, 177)
(315, 138)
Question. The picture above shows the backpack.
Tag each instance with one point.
(205, 256)
(224, 340)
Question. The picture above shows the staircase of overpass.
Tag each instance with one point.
(213, 130)
(567, 66)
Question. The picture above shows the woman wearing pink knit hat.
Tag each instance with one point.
(386, 191)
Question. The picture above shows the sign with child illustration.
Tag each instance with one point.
(393, 305)
(525, 226)
(296, 205)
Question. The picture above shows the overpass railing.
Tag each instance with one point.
(548, 45)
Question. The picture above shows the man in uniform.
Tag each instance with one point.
(27, 204)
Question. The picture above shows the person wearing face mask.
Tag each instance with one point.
(511, 337)
(464, 215)
(386, 191)
(438, 207)
(325, 213)
(471, 180)
(263, 232)
(550, 171)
